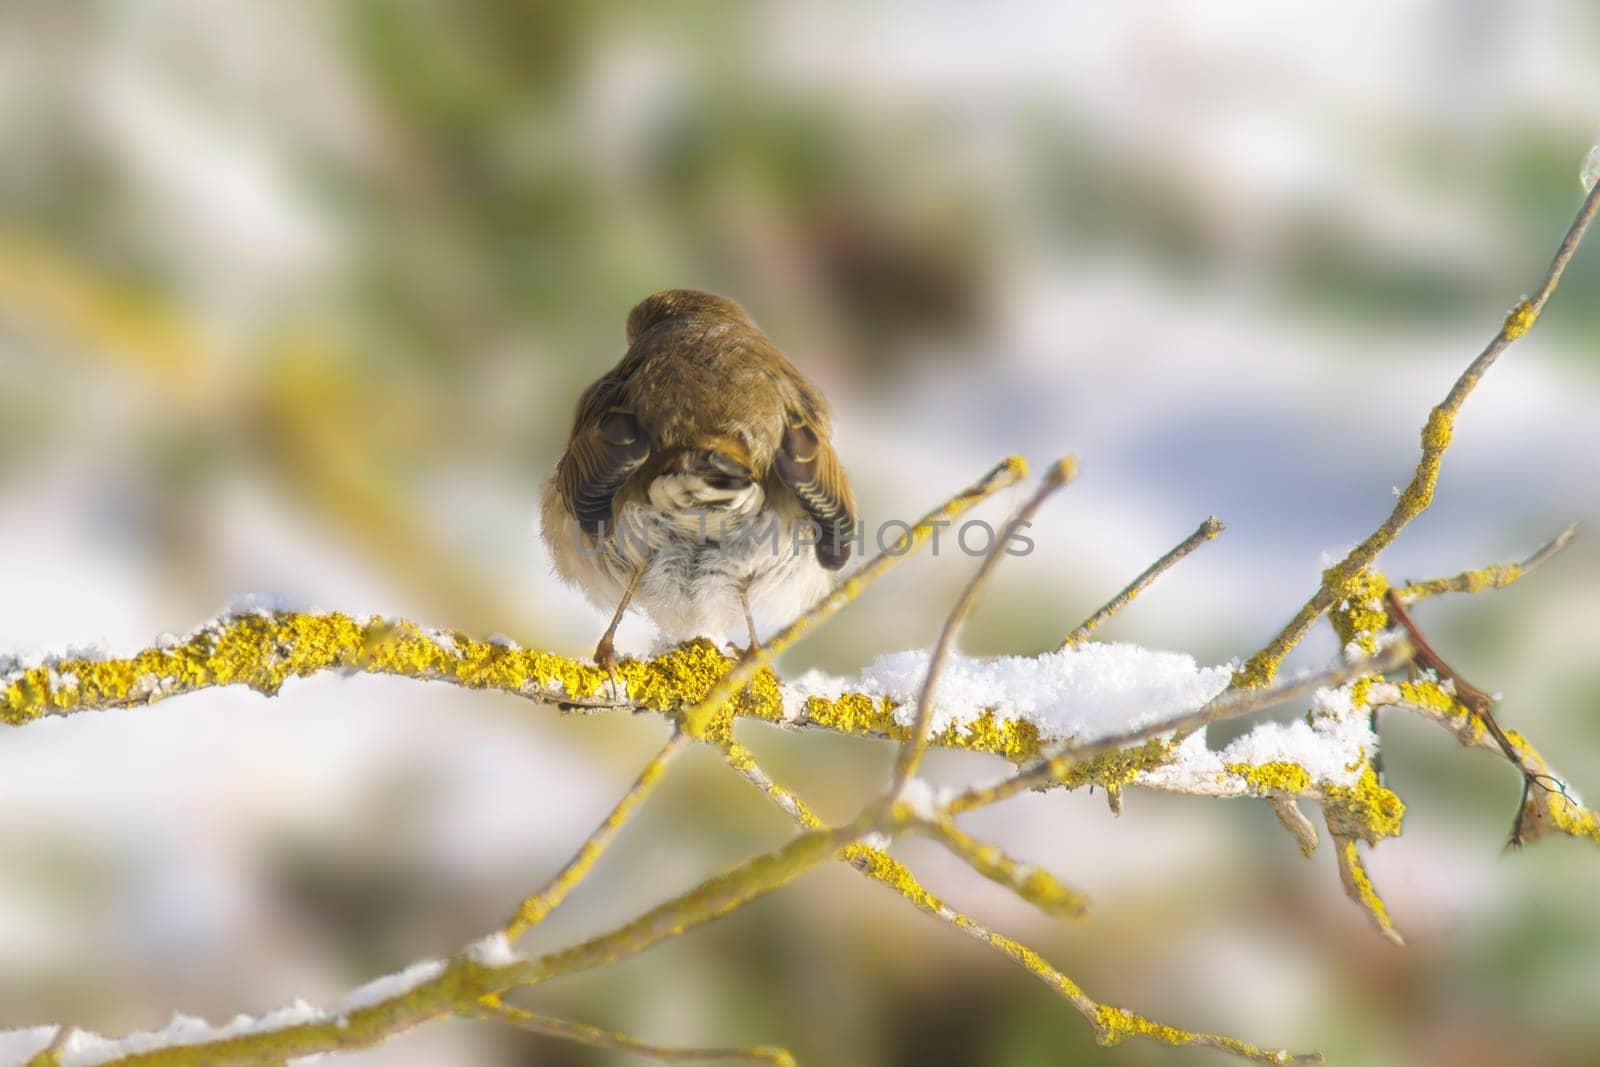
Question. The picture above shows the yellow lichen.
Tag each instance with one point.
(1519, 320)
(1366, 810)
(1039, 888)
(1358, 615)
(1358, 873)
(1574, 819)
(855, 713)
(1429, 693)
(1114, 769)
(1114, 1025)
(1358, 886)
(884, 868)
(1277, 775)
(1015, 739)
(1259, 671)
(1495, 576)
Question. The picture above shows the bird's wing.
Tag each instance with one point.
(808, 465)
(607, 446)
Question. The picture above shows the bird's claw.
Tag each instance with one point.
(605, 657)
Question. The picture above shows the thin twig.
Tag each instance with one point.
(1414, 500)
(1497, 576)
(492, 1008)
(1358, 884)
(1206, 532)
(1230, 704)
(1037, 886)
(1006, 473)
(537, 906)
(911, 752)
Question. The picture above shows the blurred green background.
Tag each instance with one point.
(297, 299)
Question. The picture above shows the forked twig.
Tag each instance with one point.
(537, 906)
(1207, 531)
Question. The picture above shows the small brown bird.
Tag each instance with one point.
(699, 482)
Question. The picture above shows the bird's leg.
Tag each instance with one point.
(605, 653)
(749, 620)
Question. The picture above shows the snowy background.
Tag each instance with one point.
(298, 300)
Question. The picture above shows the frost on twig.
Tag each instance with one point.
(1117, 716)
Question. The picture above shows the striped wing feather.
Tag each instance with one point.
(607, 447)
(808, 465)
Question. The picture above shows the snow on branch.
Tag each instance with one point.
(1114, 715)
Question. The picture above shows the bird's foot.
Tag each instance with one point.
(605, 657)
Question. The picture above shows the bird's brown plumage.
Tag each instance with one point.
(702, 390)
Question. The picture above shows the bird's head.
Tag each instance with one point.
(672, 304)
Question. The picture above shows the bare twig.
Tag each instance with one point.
(1207, 531)
(493, 1008)
(1497, 576)
(537, 906)
(1415, 498)
(699, 717)
(911, 752)
(1294, 820)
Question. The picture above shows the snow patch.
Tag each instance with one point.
(391, 985)
(919, 796)
(1080, 694)
(492, 951)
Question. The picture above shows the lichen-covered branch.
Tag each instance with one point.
(1144, 749)
(1553, 808)
(264, 649)
(1495, 576)
(1338, 579)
